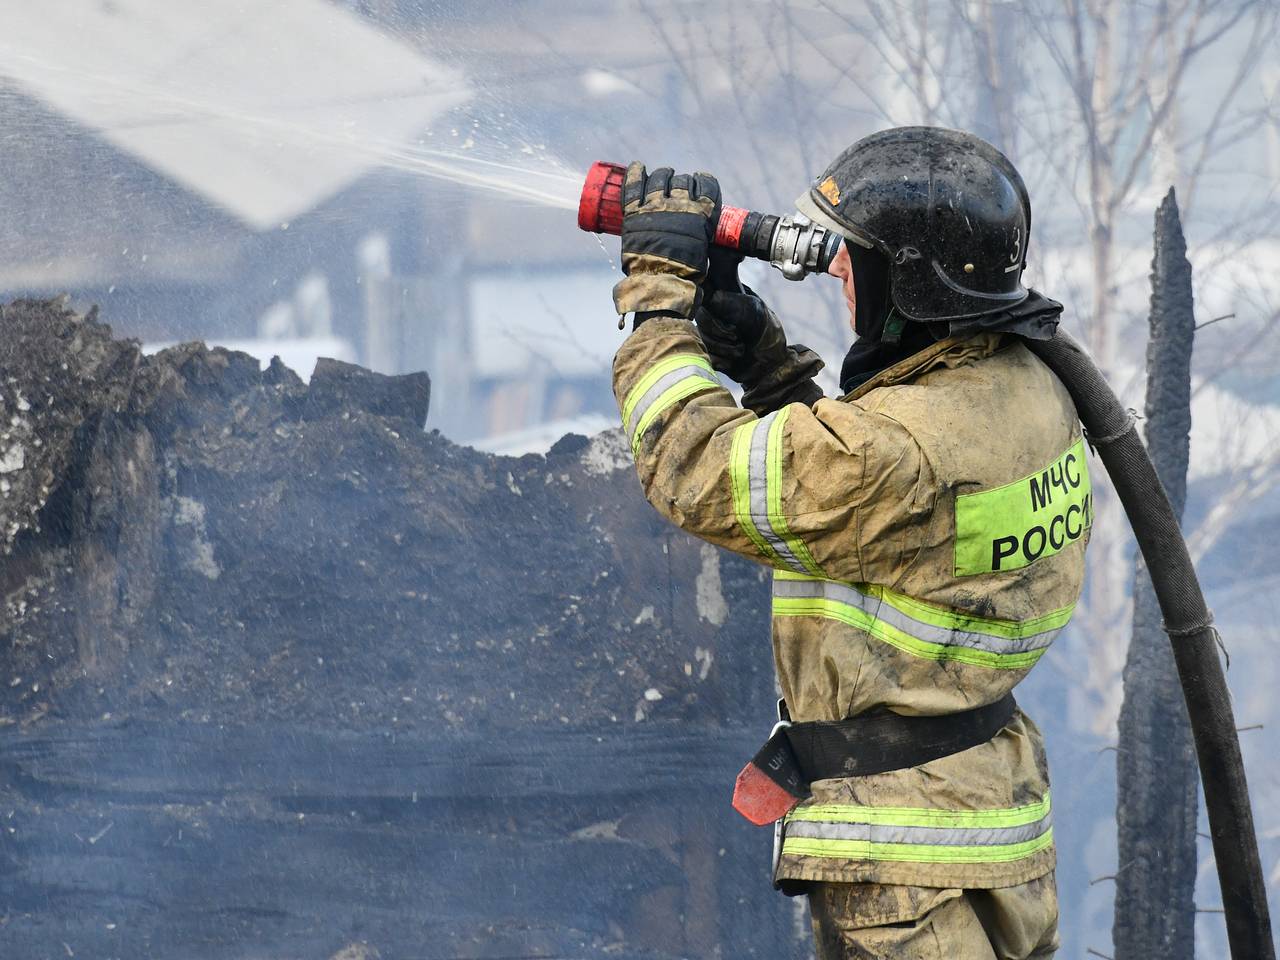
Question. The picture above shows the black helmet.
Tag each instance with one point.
(946, 208)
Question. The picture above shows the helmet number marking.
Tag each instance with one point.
(1015, 258)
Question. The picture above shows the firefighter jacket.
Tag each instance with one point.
(927, 537)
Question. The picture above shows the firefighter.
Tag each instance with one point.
(926, 529)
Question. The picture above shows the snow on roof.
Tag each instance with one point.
(264, 109)
(559, 320)
(541, 437)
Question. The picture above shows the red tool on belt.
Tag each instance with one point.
(792, 244)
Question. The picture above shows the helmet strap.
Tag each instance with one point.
(894, 324)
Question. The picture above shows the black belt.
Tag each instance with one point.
(884, 741)
(799, 753)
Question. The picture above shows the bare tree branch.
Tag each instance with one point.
(1248, 63)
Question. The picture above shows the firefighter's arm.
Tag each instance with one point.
(833, 490)
(746, 341)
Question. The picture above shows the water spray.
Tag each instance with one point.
(792, 244)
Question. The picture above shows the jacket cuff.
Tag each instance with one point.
(789, 382)
(656, 292)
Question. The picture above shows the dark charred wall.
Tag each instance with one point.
(278, 667)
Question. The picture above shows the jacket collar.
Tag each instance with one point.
(951, 352)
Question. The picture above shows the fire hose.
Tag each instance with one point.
(798, 248)
(1113, 433)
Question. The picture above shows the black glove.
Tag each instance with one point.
(746, 342)
(668, 221)
(732, 318)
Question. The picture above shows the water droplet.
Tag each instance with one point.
(605, 250)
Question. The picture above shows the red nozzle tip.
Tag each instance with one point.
(600, 208)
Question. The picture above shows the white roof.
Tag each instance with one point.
(265, 109)
(558, 320)
(541, 437)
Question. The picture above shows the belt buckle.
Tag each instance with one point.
(784, 721)
(784, 718)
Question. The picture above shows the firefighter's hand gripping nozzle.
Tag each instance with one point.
(792, 244)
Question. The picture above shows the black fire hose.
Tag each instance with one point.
(1187, 621)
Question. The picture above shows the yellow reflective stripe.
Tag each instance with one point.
(854, 617)
(656, 373)
(1014, 525)
(915, 852)
(950, 619)
(672, 395)
(755, 464)
(851, 831)
(922, 629)
(777, 518)
(924, 816)
(942, 617)
(740, 479)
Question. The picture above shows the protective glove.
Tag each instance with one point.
(668, 221)
(746, 342)
(730, 317)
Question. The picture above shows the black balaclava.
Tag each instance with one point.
(872, 351)
(878, 348)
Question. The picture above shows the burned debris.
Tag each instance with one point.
(237, 605)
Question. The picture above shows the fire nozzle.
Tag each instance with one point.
(794, 245)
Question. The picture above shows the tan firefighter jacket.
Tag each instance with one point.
(927, 536)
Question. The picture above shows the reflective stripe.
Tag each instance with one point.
(740, 480)
(925, 835)
(918, 853)
(1029, 813)
(777, 517)
(923, 630)
(665, 383)
(755, 468)
(684, 387)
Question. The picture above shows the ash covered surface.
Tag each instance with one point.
(281, 674)
(192, 537)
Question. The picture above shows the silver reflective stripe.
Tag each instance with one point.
(661, 386)
(931, 836)
(886, 613)
(758, 480)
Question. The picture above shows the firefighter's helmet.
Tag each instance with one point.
(946, 208)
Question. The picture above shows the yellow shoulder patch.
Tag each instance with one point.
(1017, 524)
